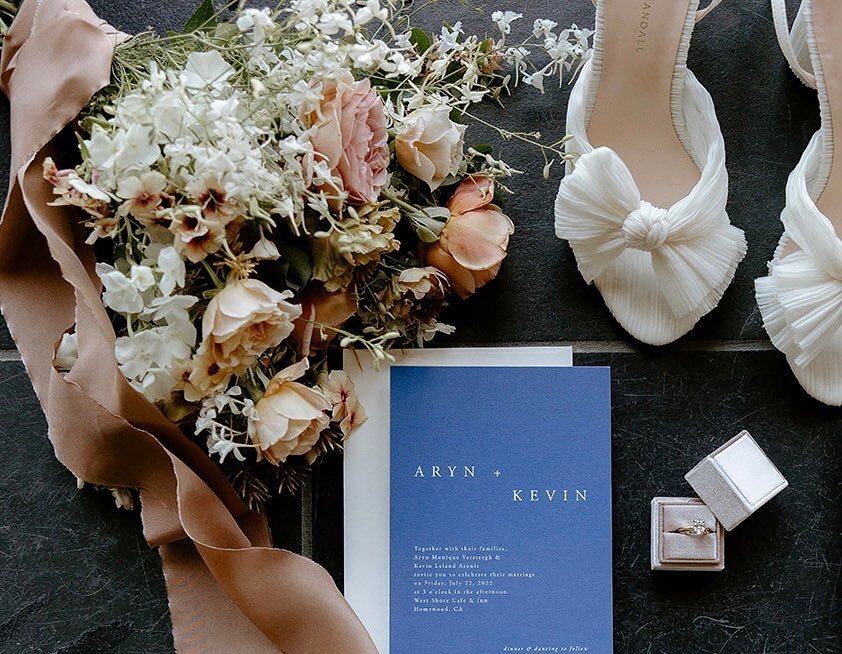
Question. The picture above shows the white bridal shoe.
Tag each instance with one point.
(801, 298)
(643, 207)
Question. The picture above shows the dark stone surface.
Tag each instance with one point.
(780, 590)
(78, 578)
(328, 518)
(76, 573)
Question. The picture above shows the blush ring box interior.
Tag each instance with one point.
(672, 550)
(736, 479)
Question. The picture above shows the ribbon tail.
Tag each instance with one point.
(694, 274)
(592, 204)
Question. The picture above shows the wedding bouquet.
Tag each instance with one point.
(271, 183)
(196, 220)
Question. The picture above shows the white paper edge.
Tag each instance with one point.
(367, 468)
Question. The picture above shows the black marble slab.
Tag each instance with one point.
(780, 590)
(76, 574)
(767, 118)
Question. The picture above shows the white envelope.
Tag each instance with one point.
(367, 492)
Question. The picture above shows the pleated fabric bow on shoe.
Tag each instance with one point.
(659, 266)
(801, 297)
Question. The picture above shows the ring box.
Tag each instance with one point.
(672, 550)
(736, 479)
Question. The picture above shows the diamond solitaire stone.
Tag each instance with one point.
(699, 528)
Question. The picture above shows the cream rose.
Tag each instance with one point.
(290, 416)
(348, 130)
(473, 243)
(430, 146)
(241, 322)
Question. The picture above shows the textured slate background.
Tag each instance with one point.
(77, 577)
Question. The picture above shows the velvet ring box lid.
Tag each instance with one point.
(674, 550)
(736, 479)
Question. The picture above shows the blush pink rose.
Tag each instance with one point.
(348, 130)
(473, 243)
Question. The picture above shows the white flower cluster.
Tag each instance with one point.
(161, 334)
(316, 39)
(568, 48)
(193, 130)
(224, 439)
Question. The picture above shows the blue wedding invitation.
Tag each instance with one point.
(500, 510)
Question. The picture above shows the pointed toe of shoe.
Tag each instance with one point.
(631, 293)
(822, 378)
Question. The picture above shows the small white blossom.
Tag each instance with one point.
(450, 37)
(123, 499)
(66, 353)
(336, 23)
(264, 249)
(257, 21)
(122, 292)
(369, 12)
(544, 28)
(504, 19)
(136, 151)
(91, 190)
(172, 309)
(148, 358)
(172, 270)
(206, 69)
(535, 79)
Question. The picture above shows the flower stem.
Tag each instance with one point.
(216, 280)
(394, 199)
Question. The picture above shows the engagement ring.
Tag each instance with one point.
(698, 528)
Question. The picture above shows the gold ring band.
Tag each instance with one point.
(698, 528)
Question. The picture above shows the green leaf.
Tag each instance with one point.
(204, 14)
(483, 148)
(299, 267)
(425, 235)
(420, 39)
(83, 148)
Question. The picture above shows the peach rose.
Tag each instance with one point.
(430, 146)
(473, 243)
(349, 131)
(290, 416)
(321, 313)
(241, 322)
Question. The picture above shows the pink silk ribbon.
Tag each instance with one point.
(229, 591)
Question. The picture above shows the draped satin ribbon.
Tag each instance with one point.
(229, 591)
